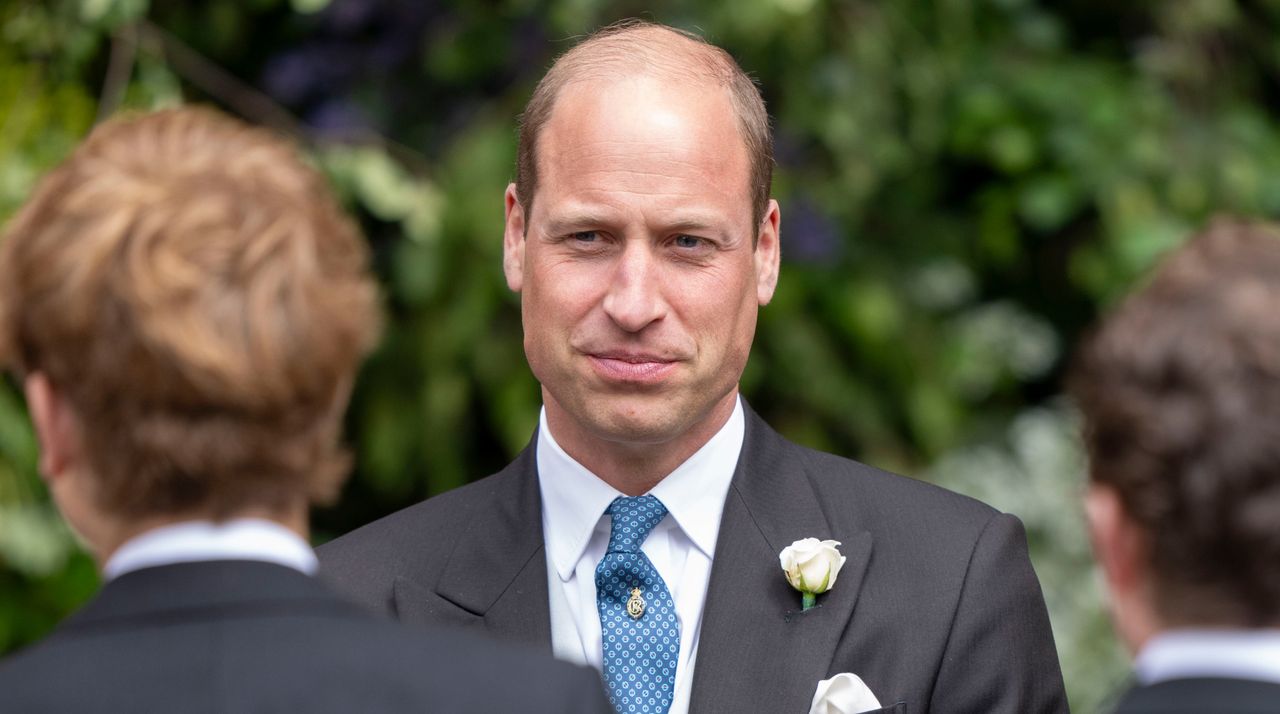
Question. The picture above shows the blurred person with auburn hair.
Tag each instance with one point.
(186, 306)
(641, 530)
(1180, 393)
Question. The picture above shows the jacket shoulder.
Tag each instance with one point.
(862, 496)
(298, 660)
(365, 563)
(28, 676)
(842, 481)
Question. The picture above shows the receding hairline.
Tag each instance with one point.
(637, 48)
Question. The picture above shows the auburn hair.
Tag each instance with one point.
(191, 285)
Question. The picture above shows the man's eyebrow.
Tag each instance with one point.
(697, 222)
(577, 219)
(702, 222)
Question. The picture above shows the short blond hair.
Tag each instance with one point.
(193, 288)
(634, 47)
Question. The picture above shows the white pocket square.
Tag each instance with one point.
(844, 693)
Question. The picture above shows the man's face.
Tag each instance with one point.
(638, 278)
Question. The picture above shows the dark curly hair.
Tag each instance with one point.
(1180, 393)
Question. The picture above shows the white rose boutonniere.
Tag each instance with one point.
(811, 566)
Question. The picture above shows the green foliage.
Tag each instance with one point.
(965, 185)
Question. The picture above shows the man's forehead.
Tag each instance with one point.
(639, 108)
(643, 139)
(643, 84)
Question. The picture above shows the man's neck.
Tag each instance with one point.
(634, 468)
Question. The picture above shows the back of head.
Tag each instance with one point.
(1180, 393)
(195, 292)
(636, 47)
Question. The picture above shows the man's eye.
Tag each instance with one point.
(686, 241)
(585, 236)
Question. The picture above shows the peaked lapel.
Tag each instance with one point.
(757, 651)
(496, 575)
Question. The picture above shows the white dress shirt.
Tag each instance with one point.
(1236, 654)
(193, 541)
(576, 531)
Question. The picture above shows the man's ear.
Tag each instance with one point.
(1123, 551)
(57, 428)
(513, 241)
(1118, 542)
(768, 253)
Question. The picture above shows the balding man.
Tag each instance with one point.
(641, 530)
(1180, 392)
(187, 305)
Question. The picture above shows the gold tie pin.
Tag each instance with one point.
(635, 604)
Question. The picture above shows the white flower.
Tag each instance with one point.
(812, 565)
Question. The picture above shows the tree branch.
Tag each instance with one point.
(124, 50)
(254, 104)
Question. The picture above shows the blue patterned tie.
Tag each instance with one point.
(640, 633)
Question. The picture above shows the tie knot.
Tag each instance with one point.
(633, 519)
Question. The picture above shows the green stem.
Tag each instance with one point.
(807, 601)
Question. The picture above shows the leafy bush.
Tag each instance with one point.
(965, 185)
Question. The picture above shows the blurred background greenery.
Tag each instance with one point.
(965, 185)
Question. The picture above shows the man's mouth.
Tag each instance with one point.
(631, 366)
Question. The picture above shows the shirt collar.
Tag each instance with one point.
(574, 499)
(1238, 654)
(190, 541)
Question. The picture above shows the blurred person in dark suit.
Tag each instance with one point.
(186, 306)
(653, 508)
(1180, 394)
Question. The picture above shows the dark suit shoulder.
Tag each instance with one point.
(364, 564)
(884, 499)
(452, 671)
(892, 494)
(546, 683)
(915, 526)
(401, 533)
(1202, 694)
(309, 656)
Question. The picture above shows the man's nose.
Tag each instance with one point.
(634, 297)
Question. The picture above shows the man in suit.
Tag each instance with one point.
(186, 306)
(1180, 392)
(648, 512)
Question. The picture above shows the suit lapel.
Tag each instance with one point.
(497, 573)
(757, 651)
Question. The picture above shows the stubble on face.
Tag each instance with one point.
(638, 276)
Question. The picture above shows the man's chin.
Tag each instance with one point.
(639, 429)
(643, 420)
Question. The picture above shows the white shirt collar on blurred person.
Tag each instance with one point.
(1236, 654)
(194, 541)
